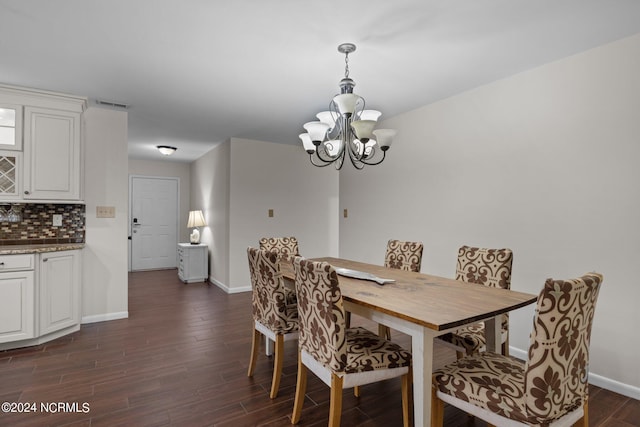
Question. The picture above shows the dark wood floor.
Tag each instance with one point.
(180, 359)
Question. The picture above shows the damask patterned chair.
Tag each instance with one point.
(340, 357)
(285, 245)
(273, 316)
(288, 248)
(401, 256)
(489, 267)
(551, 388)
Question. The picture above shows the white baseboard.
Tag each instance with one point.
(228, 289)
(104, 317)
(595, 379)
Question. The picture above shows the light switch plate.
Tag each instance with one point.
(105, 211)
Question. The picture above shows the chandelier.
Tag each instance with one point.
(346, 128)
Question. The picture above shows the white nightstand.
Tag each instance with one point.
(193, 262)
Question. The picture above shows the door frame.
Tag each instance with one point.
(130, 214)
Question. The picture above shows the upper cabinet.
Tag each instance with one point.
(44, 129)
(10, 127)
(51, 154)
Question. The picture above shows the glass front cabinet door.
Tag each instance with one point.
(10, 127)
(10, 170)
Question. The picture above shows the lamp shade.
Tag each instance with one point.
(316, 130)
(384, 137)
(196, 219)
(306, 143)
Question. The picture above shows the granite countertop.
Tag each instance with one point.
(38, 249)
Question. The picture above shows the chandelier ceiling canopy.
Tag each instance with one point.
(346, 128)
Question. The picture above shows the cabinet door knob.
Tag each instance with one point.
(26, 192)
(45, 259)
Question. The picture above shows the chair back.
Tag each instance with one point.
(268, 292)
(489, 267)
(284, 245)
(403, 255)
(557, 371)
(321, 313)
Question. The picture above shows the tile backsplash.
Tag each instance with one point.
(37, 226)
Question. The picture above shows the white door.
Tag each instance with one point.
(154, 222)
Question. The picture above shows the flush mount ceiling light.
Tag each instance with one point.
(166, 150)
(346, 128)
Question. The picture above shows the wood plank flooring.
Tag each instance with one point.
(181, 358)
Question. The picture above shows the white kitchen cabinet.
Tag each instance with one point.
(51, 154)
(10, 127)
(59, 287)
(193, 262)
(17, 302)
(44, 129)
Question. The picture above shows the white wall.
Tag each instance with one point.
(210, 192)
(104, 271)
(304, 198)
(169, 169)
(545, 163)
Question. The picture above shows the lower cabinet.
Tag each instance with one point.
(17, 306)
(59, 291)
(39, 297)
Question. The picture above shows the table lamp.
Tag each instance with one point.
(196, 219)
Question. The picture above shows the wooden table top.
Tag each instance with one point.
(431, 301)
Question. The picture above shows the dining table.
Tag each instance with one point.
(424, 307)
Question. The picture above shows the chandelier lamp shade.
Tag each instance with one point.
(346, 129)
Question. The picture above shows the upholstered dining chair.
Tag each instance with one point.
(288, 248)
(550, 388)
(489, 267)
(285, 245)
(340, 357)
(401, 256)
(273, 316)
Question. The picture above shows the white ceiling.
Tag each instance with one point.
(197, 72)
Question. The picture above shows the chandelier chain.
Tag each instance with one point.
(346, 64)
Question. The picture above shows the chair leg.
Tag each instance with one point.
(356, 391)
(459, 355)
(505, 347)
(335, 406)
(437, 408)
(277, 366)
(347, 319)
(255, 344)
(407, 398)
(384, 332)
(301, 388)
(584, 421)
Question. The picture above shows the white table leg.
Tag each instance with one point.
(422, 349)
(493, 334)
(268, 346)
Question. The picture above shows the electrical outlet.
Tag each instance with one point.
(270, 213)
(57, 220)
(346, 213)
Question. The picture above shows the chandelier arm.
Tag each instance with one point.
(329, 159)
(320, 165)
(384, 154)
